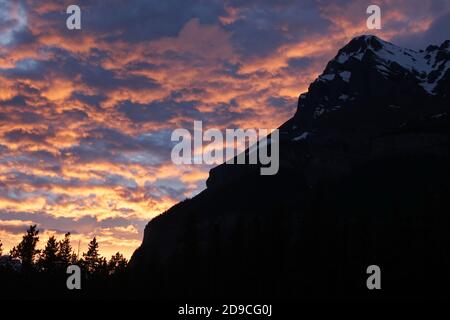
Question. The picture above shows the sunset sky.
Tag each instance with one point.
(86, 115)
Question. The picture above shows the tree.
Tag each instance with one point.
(48, 260)
(92, 257)
(26, 250)
(66, 256)
(1, 247)
(117, 264)
(102, 267)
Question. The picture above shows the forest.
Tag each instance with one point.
(29, 272)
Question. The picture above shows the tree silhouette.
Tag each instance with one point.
(92, 259)
(48, 259)
(102, 268)
(26, 250)
(65, 255)
(117, 264)
(28, 270)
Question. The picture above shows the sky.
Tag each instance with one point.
(86, 115)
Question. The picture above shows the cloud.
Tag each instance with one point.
(13, 23)
(146, 20)
(433, 35)
(161, 111)
(15, 226)
(19, 135)
(262, 27)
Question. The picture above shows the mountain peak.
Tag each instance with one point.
(362, 43)
(384, 51)
(370, 73)
(427, 67)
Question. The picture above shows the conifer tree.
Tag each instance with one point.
(26, 250)
(117, 264)
(66, 256)
(48, 260)
(92, 257)
(102, 268)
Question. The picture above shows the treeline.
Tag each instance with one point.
(28, 268)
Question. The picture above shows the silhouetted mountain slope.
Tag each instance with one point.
(364, 179)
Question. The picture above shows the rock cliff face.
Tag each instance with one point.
(363, 179)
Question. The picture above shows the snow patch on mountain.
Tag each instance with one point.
(318, 112)
(303, 136)
(345, 75)
(422, 63)
(439, 115)
(327, 77)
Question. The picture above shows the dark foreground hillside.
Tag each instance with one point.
(393, 213)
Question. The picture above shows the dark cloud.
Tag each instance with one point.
(64, 65)
(142, 66)
(21, 135)
(233, 70)
(434, 34)
(159, 111)
(105, 144)
(92, 100)
(19, 178)
(20, 109)
(263, 26)
(14, 228)
(143, 20)
(279, 102)
(63, 224)
(74, 115)
(43, 156)
(166, 188)
(299, 63)
(23, 36)
(102, 79)
(29, 69)
(15, 101)
(187, 92)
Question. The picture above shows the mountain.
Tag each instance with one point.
(363, 180)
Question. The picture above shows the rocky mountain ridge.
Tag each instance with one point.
(363, 180)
